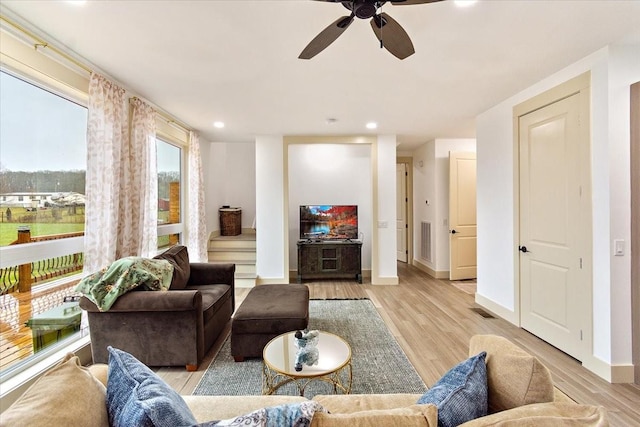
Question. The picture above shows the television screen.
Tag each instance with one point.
(328, 222)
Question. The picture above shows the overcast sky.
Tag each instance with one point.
(42, 131)
(39, 130)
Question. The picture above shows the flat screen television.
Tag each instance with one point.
(328, 222)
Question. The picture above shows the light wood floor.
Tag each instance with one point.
(433, 322)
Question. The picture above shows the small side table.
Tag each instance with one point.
(334, 364)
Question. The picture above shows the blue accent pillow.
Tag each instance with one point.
(461, 394)
(288, 414)
(136, 396)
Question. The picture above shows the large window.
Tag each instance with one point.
(42, 162)
(169, 165)
(42, 203)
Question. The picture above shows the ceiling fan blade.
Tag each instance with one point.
(326, 37)
(392, 36)
(407, 2)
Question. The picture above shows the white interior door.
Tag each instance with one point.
(462, 216)
(401, 211)
(551, 288)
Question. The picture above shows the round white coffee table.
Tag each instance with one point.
(334, 364)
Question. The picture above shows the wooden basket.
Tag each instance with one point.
(230, 221)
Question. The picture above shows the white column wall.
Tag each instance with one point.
(495, 208)
(386, 192)
(270, 231)
(624, 70)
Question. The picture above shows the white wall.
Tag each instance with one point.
(431, 183)
(613, 69)
(387, 268)
(272, 236)
(330, 174)
(624, 70)
(269, 185)
(424, 198)
(230, 177)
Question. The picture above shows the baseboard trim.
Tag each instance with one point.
(243, 285)
(497, 309)
(270, 281)
(443, 274)
(615, 374)
(389, 280)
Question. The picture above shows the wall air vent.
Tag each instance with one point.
(425, 241)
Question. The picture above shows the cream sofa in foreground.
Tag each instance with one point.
(520, 393)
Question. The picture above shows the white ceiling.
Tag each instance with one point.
(237, 61)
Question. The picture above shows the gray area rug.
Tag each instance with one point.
(379, 364)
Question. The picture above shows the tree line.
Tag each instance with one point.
(63, 182)
(42, 181)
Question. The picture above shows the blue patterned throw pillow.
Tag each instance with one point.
(285, 415)
(461, 394)
(136, 396)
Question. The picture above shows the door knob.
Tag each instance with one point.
(523, 249)
(453, 231)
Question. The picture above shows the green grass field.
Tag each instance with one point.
(41, 223)
(66, 224)
(9, 231)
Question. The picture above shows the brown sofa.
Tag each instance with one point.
(520, 394)
(171, 328)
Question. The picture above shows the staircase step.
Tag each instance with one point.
(232, 244)
(245, 280)
(242, 266)
(245, 268)
(239, 250)
(235, 256)
(231, 249)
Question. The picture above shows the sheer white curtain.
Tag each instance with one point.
(106, 136)
(139, 187)
(196, 226)
(121, 182)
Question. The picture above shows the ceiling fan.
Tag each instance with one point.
(390, 34)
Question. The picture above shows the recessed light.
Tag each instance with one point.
(218, 125)
(464, 3)
(77, 2)
(372, 125)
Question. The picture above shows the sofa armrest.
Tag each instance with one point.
(551, 414)
(141, 301)
(203, 273)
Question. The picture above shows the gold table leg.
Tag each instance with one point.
(341, 380)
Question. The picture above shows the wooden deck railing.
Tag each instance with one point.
(23, 277)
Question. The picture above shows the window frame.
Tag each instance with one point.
(63, 75)
(169, 133)
(30, 66)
